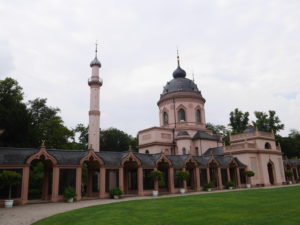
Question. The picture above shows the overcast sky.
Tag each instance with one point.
(244, 54)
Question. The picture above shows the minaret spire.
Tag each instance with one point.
(95, 82)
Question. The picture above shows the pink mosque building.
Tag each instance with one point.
(181, 142)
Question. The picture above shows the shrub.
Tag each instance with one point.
(229, 184)
(69, 193)
(157, 175)
(9, 179)
(207, 186)
(115, 192)
(182, 175)
(289, 173)
(249, 173)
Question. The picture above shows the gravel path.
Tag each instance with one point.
(27, 214)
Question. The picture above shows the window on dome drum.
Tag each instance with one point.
(165, 118)
(267, 145)
(198, 116)
(181, 115)
(183, 151)
(147, 151)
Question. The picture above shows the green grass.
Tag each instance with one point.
(264, 206)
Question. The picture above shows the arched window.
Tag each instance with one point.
(181, 115)
(183, 151)
(147, 151)
(165, 118)
(267, 145)
(198, 116)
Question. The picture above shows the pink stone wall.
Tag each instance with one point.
(190, 105)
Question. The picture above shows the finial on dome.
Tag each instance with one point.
(178, 59)
(95, 61)
(96, 49)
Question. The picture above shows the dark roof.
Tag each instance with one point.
(15, 156)
(146, 159)
(112, 158)
(202, 160)
(67, 157)
(215, 151)
(182, 133)
(18, 156)
(177, 160)
(203, 135)
(180, 84)
(292, 162)
(249, 129)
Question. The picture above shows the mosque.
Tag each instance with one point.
(180, 142)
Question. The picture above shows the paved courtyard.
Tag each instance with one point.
(27, 214)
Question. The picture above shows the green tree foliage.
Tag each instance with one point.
(290, 145)
(14, 117)
(116, 140)
(111, 139)
(47, 125)
(82, 132)
(9, 179)
(220, 129)
(26, 125)
(238, 121)
(268, 122)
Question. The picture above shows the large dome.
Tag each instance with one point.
(180, 85)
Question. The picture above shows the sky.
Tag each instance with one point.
(243, 54)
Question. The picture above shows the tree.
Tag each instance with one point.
(113, 139)
(238, 121)
(290, 145)
(9, 179)
(268, 122)
(220, 129)
(82, 132)
(47, 125)
(14, 116)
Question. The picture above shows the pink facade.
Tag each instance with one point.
(183, 131)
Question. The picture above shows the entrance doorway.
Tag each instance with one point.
(271, 174)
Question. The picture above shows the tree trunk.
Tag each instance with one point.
(9, 193)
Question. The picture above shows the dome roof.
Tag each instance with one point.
(179, 73)
(95, 62)
(180, 84)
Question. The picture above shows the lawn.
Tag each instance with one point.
(264, 206)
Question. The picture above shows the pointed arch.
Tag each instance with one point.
(91, 156)
(42, 154)
(131, 157)
(198, 114)
(271, 172)
(163, 158)
(190, 159)
(213, 160)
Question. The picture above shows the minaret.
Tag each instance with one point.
(95, 82)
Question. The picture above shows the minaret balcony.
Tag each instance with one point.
(95, 81)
